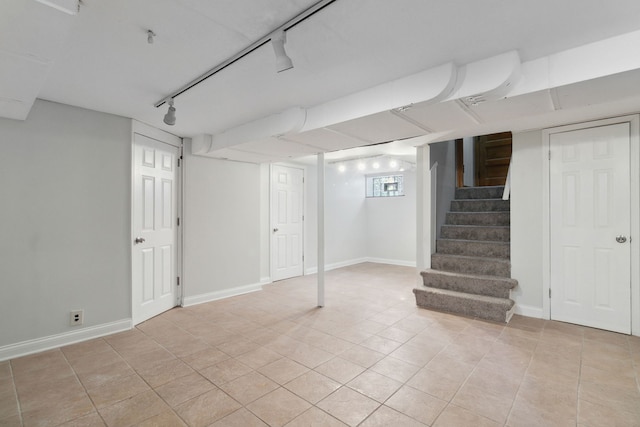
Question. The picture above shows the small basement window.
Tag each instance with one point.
(384, 186)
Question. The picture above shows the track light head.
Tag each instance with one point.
(150, 36)
(170, 117)
(283, 62)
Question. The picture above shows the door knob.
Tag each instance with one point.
(139, 240)
(621, 239)
(275, 230)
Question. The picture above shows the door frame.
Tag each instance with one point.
(304, 213)
(170, 139)
(634, 154)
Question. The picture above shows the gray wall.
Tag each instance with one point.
(222, 204)
(65, 196)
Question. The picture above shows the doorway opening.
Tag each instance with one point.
(483, 160)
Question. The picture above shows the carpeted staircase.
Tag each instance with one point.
(470, 271)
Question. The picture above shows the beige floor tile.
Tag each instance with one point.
(396, 334)
(544, 403)
(259, 357)
(5, 370)
(114, 391)
(395, 369)
(309, 356)
(340, 370)
(238, 346)
(380, 344)
(348, 406)
(622, 378)
(95, 361)
(133, 410)
(8, 400)
(418, 355)
(456, 416)
(163, 419)
(312, 386)
(279, 407)
(147, 360)
(207, 408)
(47, 394)
(162, 373)
(249, 387)
(83, 349)
(619, 398)
(374, 385)
(225, 371)
(416, 404)
(479, 400)
(283, 370)
(185, 348)
(240, 418)
(205, 358)
(92, 419)
(596, 414)
(54, 414)
(442, 384)
(385, 416)
(184, 388)
(362, 356)
(105, 374)
(13, 421)
(315, 417)
(50, 359)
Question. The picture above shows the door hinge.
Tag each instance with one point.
(549, 154)
(178, 221)
(549, 292)
(302, 257)
(178, 282)
(179, 161)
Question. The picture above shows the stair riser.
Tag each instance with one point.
(470, 285)
(480, 193)
(478, 249)
(471, 205)
(478, 218)
(480, 266)
(472, 308)
(489, 234)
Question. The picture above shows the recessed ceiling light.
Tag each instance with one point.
(393, 164)
(342, 168)
(376, 165)
(361, 166)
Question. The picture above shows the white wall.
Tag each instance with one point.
(222, 210)
(526, 221)
(391, 225)
(444, 153)
(65, 194)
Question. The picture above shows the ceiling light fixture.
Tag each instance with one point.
(283, 62)
(376, 165)
(362, 166)
(315, 8)
(342, 168)
(170, 117)
(393, 164)
(150, 36)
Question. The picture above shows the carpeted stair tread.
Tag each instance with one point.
(490, 192)
(478, 218)
(478, 248)
(499, 287)
(471, 265)
(480, 205)
(489, 233)
(482, 306)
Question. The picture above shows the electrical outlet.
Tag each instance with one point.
(77, 317)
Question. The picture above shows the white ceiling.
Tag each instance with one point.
(100, 59)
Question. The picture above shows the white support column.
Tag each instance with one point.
(320, 165)
(423, 210)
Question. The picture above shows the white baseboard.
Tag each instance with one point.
(226, 293)
(392, 262)
(530, 311)
(266, 281)
(24, 348)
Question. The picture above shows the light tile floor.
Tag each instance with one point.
(369, 358)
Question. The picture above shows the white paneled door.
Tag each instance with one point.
(590, 268)
(287, 186)
(154, 228)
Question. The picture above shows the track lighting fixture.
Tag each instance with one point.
(170, 117)
(150, 36)
(283, 62)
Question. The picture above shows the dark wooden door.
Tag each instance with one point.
(492, 154)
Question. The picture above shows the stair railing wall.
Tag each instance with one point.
(434, 206)
(506, 194)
